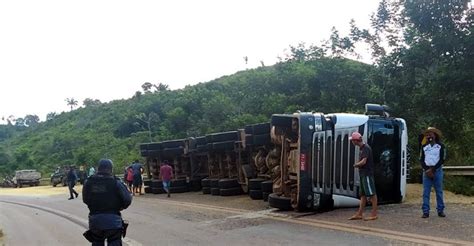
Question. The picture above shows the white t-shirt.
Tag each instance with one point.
(432, 154)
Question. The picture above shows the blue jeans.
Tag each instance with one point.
(437, 182)
(166, 185)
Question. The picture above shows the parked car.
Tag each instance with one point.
(26, 177)
(59, 176)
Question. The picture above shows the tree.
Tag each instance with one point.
(71, 102)
(91, 102)
(146, 121)
(50, 116)
(161, 87)
(31, 120)
(147, 87)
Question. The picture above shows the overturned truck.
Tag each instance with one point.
(296, 161)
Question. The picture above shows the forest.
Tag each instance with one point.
(422, 55)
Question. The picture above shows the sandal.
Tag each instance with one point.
(356, 217)
(371, 218)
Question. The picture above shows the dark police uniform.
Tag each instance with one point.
(106, 196)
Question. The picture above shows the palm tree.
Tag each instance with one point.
(71, 102)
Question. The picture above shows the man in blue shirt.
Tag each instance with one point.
(105, 196)
(137, 168)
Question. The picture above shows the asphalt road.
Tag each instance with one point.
(196, 219)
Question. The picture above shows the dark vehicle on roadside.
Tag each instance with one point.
(59, 176)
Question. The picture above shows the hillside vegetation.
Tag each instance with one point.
(424, 71)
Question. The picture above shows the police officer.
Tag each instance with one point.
(106, 196)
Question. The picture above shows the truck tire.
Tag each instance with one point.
(215, 191)
(280, 202)
(248, 129)
(214, 183)
(256, 184)
(259, 140)
(265, 195)
(205, 182)
(156, 183)
(148, 189)
(178, 182)
(256, 194)
(263, 128)
(248, 171)
(228, 145)
(231, 191)
(194, 185)
(206, 190)
(267, 186)
(178, 189)
(223, 137)
(228, 183)
(157, 190)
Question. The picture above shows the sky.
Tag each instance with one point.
(51, 50)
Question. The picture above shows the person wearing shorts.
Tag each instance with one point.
(137, 177)
(166, 174)
(366, 176)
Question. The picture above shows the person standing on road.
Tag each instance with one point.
(129, 177)
(71, 182)
(166, 174)
(105, 196)
(366, 176)
(432, 157)
(137, 168)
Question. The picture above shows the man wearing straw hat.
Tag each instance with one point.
(432, 159)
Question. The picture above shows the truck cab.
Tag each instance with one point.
(317, 158)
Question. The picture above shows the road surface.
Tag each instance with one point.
(196, 219)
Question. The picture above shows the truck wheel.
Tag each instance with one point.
(263, 128)
(280, 202)
(231, 191)
(195, 184)
(178, 182)
(156, 184)
(205, 182)
(147, 182)
(267, 186)
(178, 189)
(255, 184)
(215, 191)
(148, 189)
(256, 194)
(265, 196)
(214, 183)
(158, 190)
(206, 190)
(228, 183)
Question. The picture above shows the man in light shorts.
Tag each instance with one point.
(366, 174)
(166, 174)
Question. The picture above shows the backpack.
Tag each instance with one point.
(130, 174)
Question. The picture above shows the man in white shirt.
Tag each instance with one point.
(432, 159)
